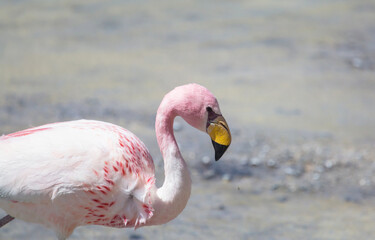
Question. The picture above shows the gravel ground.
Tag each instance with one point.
(295, 81)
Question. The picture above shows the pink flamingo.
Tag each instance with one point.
(85, 172)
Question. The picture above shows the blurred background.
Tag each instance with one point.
(295, 80)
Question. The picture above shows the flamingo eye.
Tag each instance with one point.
(211, 114)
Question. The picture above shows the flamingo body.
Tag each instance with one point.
(86, 172)
(94, 173)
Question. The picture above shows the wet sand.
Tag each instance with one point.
(295, 82)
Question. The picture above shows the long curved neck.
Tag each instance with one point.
(172, 197)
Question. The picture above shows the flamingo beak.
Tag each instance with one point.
(220, 135)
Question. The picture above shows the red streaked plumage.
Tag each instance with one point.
(24, 132)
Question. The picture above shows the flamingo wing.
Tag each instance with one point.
(97, 162)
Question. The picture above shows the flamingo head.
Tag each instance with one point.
(199, 107)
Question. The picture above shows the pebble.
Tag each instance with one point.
(328, 164)
(226, 177)
(289, 171)
(221, 207)
(255, 161)
(293, 171)
(356, 62)
(364, 182)
(271, 163)
(136, 237)
(206, 160)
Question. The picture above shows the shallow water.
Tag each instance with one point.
(295, 81)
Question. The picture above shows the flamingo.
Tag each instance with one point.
(86, 172)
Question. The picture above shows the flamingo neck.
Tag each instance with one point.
(172, 197)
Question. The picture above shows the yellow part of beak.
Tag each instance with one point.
(219, 131)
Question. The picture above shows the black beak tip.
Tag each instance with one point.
(219, 150)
